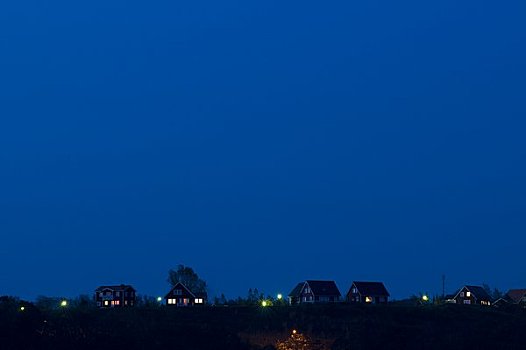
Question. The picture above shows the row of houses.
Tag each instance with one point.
(476, 295)
(311, 291)
(307, 292)
(124, 295)
(375, 293)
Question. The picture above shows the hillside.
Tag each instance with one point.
(326, 327)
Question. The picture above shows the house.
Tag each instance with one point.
(294, 295)
(180, 295)
(368, 292)
(312, 291)
(472, 295)
(516, 296)
(502, 301)
(115, 296)
(449, 299)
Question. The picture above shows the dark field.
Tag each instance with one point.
(327, 327)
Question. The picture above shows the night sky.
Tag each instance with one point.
(262, 143)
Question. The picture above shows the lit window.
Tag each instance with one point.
(106, 303)
(112, 303)
(198, 301)
(117, 302)
(468, 294)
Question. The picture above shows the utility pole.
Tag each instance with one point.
(443, 286)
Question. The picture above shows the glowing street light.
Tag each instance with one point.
(280, 296)
(425, 298)
(22, 308)
(63, 303)
(264, 303)
(159, 299)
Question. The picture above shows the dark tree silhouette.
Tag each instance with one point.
(187, 276)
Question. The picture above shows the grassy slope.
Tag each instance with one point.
(344, 326)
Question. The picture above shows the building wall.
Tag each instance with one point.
(466, 297)
(354, 296)
(108, 298)
(181, 297)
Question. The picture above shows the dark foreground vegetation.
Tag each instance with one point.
(328, 327)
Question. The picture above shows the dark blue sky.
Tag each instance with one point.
(261, 143)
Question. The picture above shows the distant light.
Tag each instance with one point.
(22, 308)
(368, 299)
(264, 303)
(280, 296)
(64, 303)
(159, 299)
(425, 298)
(294, 331)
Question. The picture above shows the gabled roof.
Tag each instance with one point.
(371, 288)
(297, 290)
(479, 292)
(179, 285)
(516, 295)
(503, 300)
(323, 288)
(116, 288)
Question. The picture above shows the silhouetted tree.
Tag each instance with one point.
(44, 303)
(254, 296)
(147, 301)
(83, 302)
(221, 300)
(494, 293)
(188, 277)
